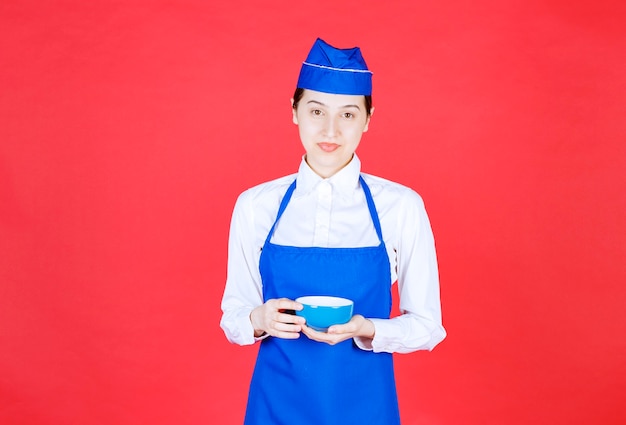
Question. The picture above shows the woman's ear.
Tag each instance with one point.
(367, 122)
(294, 109)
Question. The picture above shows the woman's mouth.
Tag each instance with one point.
(328, 147)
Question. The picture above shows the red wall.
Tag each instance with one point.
(128, 128)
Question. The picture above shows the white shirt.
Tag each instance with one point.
(333, 213)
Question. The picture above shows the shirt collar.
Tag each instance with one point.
(345, 181)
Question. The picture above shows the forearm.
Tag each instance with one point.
(237, 326)
(402, 334)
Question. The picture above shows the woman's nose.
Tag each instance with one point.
(331, 128)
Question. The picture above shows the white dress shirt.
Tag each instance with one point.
(333, 213)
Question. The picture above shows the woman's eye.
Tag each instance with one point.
(316, 112)
(348, 115)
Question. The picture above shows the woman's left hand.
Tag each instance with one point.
(358, 326)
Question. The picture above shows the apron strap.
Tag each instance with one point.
(281, 209)
(372, 208)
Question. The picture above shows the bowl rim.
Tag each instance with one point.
(324, 301)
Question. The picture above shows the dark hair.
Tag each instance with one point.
(300, 92)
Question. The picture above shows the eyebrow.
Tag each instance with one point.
(341, 107)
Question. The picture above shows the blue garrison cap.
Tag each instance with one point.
(338, 71)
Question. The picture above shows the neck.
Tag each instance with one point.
(325, 172)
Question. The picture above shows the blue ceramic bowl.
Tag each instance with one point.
(321, 312)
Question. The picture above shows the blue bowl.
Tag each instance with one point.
(321, 312)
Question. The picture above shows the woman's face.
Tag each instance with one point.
(330, 126)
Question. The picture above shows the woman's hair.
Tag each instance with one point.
(299, 92)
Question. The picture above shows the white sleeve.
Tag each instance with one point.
(419, 326)
(243, 291)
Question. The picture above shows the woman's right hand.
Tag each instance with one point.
(273, 318)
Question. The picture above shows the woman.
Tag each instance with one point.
(330, 230)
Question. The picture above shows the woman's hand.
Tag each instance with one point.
(273, 318)
(358, 326)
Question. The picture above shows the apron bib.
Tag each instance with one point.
(306, 382)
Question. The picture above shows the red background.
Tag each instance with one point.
(128, 128)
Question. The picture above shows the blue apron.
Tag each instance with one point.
(302, 382)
